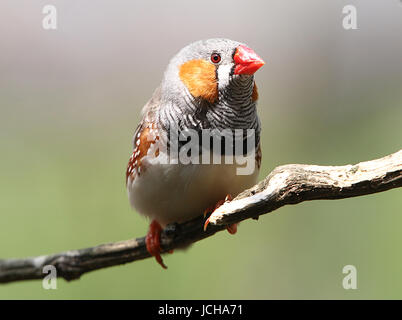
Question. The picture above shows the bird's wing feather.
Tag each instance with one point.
(145, 134)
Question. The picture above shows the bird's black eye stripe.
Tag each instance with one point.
(216, 57)
(234, 66)
(232, 70)
(234, 52)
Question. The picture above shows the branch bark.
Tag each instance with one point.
(288, 184)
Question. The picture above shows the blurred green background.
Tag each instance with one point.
(70, 100)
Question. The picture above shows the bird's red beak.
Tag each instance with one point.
(246, 61)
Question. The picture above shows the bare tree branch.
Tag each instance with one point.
(288, 184)
(295, 183)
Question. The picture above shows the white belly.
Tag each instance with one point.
(176, 192)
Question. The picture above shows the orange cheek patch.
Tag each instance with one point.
(254, 95)
(200, 79)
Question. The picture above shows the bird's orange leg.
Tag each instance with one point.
(152, 241)
(232, 229)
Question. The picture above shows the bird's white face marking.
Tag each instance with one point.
(224, 75)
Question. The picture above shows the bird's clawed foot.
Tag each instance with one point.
(152, 241)
(232, 229)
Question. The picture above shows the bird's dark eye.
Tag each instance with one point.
(215, 57)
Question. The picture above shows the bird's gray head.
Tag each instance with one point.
(204, 70)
